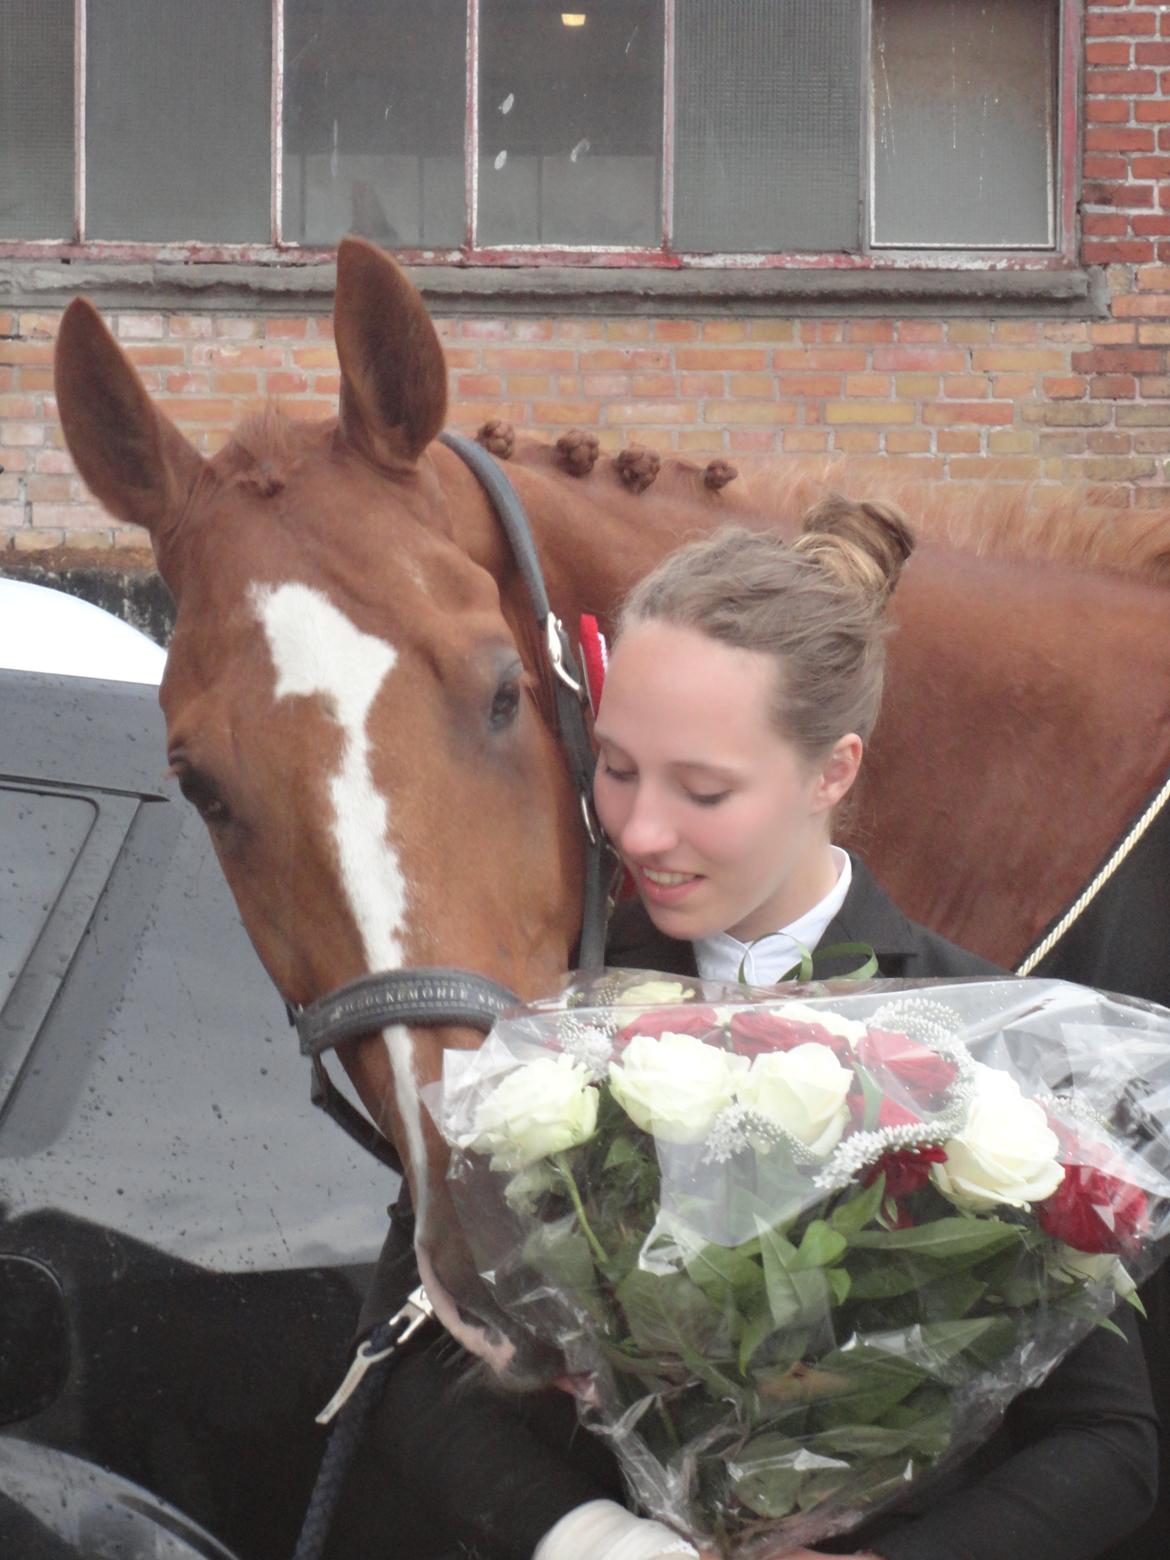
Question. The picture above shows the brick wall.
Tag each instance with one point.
(1050, 401)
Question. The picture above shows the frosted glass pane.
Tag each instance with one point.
(964, 94)
(768, 125)
(178, 120)
(570, 123)
(373, 121)
(36, 119)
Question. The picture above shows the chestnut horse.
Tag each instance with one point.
(358, 702)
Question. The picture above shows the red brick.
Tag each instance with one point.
(920, 331)
(1112, 387)
(1104, 166)
(707, 359)
(846, 360)
(809, 384)
(586, 413)
(857, 441)
(1105, 224)
(1150, 225)
(1117, 251)
(1152, 112)
(1066, 388)
(281, 329)
(1151, 167)
(1112, 53)
(1104, 139)
(809, 441)
(938, 360)
(1128, 195)
(676, 330)
(1109, 111)
(1123, 81)
(872, 331)
(1152, 54)
(1142, 306)
(1118, 360)
(967, 412)
(958, 441)
(1131, 24)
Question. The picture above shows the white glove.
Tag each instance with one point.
(603, 1530)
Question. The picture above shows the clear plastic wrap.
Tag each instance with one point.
(801, 1248)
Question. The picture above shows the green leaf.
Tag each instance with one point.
(849, 1217)
(943, 1238)
(871, 1094)
(667, 1314)
(622, 1151)
(1134, 1299)
(756, 1328)
(820, 1245)
(797, 1297)
(840, 1282)
(1110, 1325)
(717, 1269)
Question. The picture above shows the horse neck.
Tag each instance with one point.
(594, 538)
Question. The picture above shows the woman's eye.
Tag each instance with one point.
(608, 770)
(708, 798)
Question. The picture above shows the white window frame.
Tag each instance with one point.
(1064, 190)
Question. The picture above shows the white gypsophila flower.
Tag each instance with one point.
(538, 1109)
(803, 1091)
(653, 993)
(674, 1086)
(1006, 1152)
(850, 1029)
(1093, 1268)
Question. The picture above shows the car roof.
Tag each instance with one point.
(149, 1082)
(47, 630)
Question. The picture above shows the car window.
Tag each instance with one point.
(43, 835)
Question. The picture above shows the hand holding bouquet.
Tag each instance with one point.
(798, 1253)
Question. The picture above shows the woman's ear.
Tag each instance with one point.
(838, 772)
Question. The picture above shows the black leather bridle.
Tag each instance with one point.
(433, 995)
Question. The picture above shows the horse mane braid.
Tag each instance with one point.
(498, 437)
(637, 466)
(577, 451)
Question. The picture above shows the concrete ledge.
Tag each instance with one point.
(291, 288)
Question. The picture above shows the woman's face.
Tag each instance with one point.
(723, 822)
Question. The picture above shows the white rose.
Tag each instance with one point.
(539, 1109)
(803, 1090)
(653, 993)
(848, 1028)
(674, 1086)
(1093, 1268)
(1005, 1154)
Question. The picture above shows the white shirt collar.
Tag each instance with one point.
(720, 956)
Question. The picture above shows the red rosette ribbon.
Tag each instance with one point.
(890, 1113)
(1095, 1211)
(754, 1033)
(923, 1073)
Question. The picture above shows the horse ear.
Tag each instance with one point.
(132, 458)
(393, 374)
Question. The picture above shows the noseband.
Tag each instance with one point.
(437, 997)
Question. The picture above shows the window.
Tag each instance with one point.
(747, 132)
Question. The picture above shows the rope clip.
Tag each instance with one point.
(404, 1324)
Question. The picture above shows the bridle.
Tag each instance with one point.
(435, 996)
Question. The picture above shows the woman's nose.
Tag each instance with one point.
(648, 829)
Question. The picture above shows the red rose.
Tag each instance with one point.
(683, 1020)
(890, 1113)
(921, 1071)
(753, 1033)
(906, 1170)
(1094, 1211)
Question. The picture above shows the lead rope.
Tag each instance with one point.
(349, 1409)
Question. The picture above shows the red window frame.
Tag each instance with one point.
(277, 251)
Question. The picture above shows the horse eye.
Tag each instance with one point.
(202, 794)
(505, 704)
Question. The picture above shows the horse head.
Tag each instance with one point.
(355, 701)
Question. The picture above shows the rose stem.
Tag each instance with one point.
(598, 1249)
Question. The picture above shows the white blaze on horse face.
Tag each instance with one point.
(316, 650)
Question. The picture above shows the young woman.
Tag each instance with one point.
(744, 681)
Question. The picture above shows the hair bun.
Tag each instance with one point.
(864, 545)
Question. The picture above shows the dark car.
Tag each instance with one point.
(184, 1241)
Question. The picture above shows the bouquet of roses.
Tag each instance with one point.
(797, 1253)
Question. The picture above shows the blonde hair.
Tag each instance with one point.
(816, 605)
